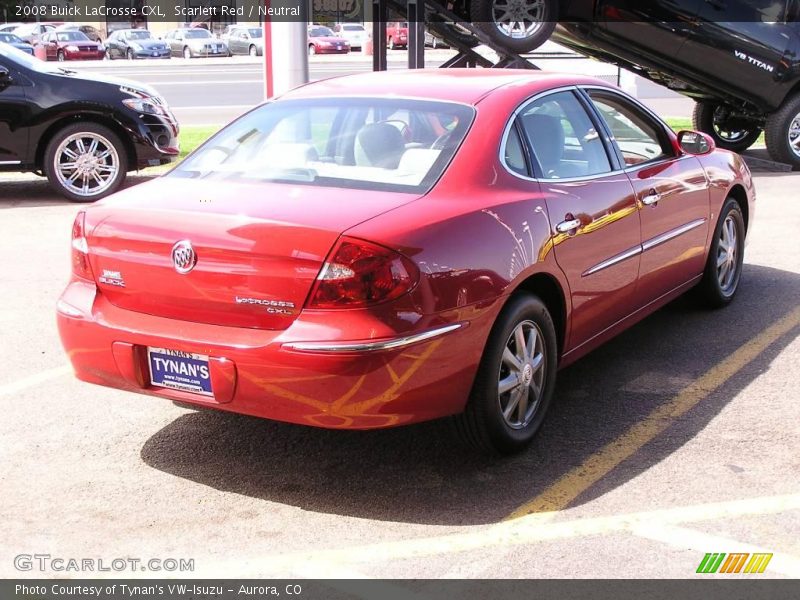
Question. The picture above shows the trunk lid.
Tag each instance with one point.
(258, 247)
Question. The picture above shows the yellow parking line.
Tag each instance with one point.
(575, 482)
(26, 382)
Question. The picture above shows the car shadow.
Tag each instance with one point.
(422, 474)
(32, 192)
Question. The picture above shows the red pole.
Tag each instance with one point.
(267, 27)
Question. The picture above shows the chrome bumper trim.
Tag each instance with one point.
(378, 345)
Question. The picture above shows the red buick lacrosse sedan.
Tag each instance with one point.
(387, 248)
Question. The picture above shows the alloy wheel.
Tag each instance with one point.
(794, 135)
(727, 256)
(86, 164)
(519, 18)
(521, 379)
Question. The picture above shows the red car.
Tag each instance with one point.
(71, 45)
(397, 35)
(322, 40)
(388, 248)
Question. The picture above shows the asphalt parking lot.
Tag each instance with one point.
(677, 439)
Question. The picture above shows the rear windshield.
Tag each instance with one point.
(365, 143)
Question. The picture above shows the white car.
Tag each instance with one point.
(355, 33)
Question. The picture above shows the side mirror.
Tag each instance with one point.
(696, 143)
(5, 75)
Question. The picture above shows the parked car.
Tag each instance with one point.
(13, 40)
(246, 40)
(321, 40)
(9, 27)
(195, 42)
(324, 258)
(33, 32)
(744, 71)
(355, 33)
(71, 45)
(397, 35)
(84, 132)
(135, 43)
(89, 31)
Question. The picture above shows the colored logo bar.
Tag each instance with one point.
(719, 562)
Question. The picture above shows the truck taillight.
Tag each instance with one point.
(359, 274)
(80, 248)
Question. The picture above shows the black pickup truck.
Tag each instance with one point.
(739, 59)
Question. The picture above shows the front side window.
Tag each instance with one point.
(639, 138)
(563, 138)
(365, 143)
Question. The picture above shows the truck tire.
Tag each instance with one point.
(500, 19)
(710, 118)
(783, 133)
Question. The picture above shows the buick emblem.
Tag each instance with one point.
(184, 257)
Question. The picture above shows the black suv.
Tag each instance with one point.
(83, 132)
(739, 59)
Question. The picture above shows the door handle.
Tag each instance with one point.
(652, 198)
(567, 226)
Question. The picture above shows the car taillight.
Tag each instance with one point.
(80, 248)
(359, 274)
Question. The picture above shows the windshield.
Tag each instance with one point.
(353, 28)
(320, 32)
(71, 36)
(140, 34)
(10, 38)
(197, 34)
(366, 143)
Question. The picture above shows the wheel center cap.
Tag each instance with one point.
(527, 374)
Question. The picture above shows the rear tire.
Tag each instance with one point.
(253, 51)
(783, 133)
(709, 117)
(723, 270)
(492, 422)
(312, 49)
(542, 16)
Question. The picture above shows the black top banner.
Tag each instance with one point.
(679, 12)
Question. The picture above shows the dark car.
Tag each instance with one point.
(322, 40)
(84, 132)
(744, 72)
(739, 59)
(17, 42)
(135, 43)
(71, 45)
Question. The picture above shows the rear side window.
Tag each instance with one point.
(563, 138)
(514, 153)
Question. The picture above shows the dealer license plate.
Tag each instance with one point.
(177, 370)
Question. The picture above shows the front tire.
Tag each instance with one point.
(517, 25)
(727, 132)
(60, 57)
(723, 270)
(130, 55)
(783, 133)
(187, 52)
(515, 381)
(312, 49)
(85, 162)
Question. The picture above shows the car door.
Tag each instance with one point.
(14, 112)
(743, 44)
(671, 190)
(50, 46)
(591, 206)
(238, 42)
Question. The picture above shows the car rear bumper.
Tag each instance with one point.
(281, 375)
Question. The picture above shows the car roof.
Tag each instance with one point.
(467, 86)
